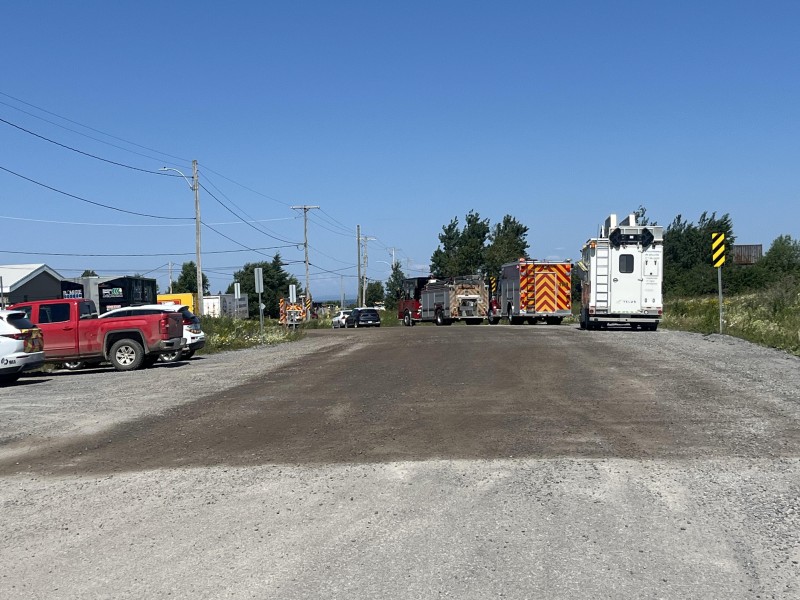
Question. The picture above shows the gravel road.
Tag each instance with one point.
(716, 517)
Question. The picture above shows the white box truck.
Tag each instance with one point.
(621, 272)
(225, 305)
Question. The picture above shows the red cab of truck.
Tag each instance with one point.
(72, 332)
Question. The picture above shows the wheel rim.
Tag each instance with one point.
(170, 356)
(125, 355)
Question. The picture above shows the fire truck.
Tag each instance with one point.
(444, 301)
(621, 272)
(533, 290)
(291, 314)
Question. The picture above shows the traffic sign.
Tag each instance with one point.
(259, 275)
(718, 249)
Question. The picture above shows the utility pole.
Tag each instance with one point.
(358, 284)
(305, 208)
(196, 186)
(392, 251)
(366, 262)
(170, 277)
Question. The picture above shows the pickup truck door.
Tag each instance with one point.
(59, 328)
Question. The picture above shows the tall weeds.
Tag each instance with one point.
(770, 317)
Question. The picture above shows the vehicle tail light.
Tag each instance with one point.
(164, 323)
(187, 321)
(22, 335)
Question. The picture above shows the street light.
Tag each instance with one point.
(195, 187)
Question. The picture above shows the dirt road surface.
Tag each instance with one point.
(424, 462)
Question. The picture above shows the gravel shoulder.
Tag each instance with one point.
(92, 400)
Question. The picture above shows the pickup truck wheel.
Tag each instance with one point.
(169, 357)
(126, 355)
(73, 365)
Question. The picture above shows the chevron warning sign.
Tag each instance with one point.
(718, 249)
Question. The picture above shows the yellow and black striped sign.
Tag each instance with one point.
(718, 249)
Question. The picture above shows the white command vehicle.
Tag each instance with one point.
(621, 272)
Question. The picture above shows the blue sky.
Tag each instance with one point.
(393, 116)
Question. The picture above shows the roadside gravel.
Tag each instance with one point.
(44, 407)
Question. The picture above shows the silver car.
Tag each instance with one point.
(338, 320)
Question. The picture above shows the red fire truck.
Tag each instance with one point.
(444, 301)
(533, 290)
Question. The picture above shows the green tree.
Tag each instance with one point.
(443, 260)
(374, 293)
(507, 242)
(187, 280)
(276, 285)
(687, 254)
(461, 252)
(89, 273)
(782, 258)
(394, 287)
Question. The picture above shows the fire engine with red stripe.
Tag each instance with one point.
(533, 290)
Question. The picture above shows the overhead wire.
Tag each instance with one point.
(241, 185)
(265, 230)
(65, 146)
(122, 210)
(129, 224)
(246, 248)
(185, 160)
(275, 237)
(326, 217)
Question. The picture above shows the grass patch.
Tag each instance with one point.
(770, 317)
(226, 333)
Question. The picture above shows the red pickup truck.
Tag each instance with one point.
(72, 332)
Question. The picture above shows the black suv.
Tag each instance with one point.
(363, 317)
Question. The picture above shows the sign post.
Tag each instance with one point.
(259, 275)
(718, 259)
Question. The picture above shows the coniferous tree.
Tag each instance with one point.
(187, 280)
(394, 287)
(276, 285)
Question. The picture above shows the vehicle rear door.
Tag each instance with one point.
(59, 328)
(626, 280)
(546, 284)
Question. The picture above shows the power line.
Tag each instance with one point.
(143, 254)
(339, 223)
(86, 153)
(221, 203)
(244, 186)
(122, 210)
(186, 160)
(265, 230)
(134, 224)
